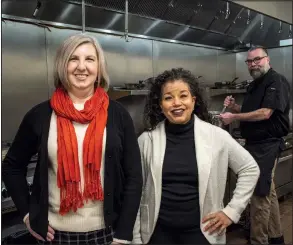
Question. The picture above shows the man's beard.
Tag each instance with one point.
(257, 72)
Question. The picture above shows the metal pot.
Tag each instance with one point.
(148, 82)
(135, 86)
(216, 119)
(226, 84)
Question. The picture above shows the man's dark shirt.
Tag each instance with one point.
(269, 91)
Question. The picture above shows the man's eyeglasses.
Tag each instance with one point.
(256, 60)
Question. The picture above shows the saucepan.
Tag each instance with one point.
(216, 120)
(142, 84)
(135, 86)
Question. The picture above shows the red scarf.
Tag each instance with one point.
(95, 113)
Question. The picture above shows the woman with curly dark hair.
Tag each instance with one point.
(185, 163)
(153, 112)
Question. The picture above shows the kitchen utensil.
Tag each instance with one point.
(233, 81)
(225, 107)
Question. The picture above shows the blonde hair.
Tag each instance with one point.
(64, 53)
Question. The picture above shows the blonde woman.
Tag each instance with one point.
(88, 180)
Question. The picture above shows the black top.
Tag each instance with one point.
(123, 173)
(269, 91)
(180, 196)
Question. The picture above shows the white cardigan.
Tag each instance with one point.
(215, 150)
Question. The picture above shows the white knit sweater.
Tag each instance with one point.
(88, 218)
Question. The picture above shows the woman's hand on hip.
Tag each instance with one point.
(217, 222)
(115, 243)
(50, 233)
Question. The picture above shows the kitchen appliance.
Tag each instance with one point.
(283, 172)
(6, 201)
(282, 177)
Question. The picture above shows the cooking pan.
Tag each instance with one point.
(135, 86)
(226, 84)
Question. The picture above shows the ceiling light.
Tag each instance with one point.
(198, 8)
(171, 4)
(227, 13)
(248, 17)
(280, 27)
(108, 31)
(261, 22)
(37, 9)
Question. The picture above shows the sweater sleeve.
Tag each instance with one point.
(142, 146)
(247, 170)
(14, 165)
(131, 165)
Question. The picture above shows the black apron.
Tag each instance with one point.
(265, 153)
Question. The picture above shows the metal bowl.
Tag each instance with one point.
(215, 118)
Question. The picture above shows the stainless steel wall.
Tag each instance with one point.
(139, 59)
(126, 62)
(29, 53)
(24, 73)
(213, 65)
(54, 38)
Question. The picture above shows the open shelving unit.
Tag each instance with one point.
(211, 92)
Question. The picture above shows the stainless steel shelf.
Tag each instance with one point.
(282, 159)
(216, 92)
(210, 92)
(131, 92)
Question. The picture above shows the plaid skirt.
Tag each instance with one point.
(99, 237)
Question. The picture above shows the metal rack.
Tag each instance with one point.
(216, 92)
(131, 92)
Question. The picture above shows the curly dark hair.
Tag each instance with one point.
(152, 111)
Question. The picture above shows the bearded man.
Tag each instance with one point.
(264, 120)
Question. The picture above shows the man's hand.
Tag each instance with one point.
(227, 118)
(50, 234)
(229, 102)
(217, 222)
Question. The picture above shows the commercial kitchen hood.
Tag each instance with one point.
(214, 23)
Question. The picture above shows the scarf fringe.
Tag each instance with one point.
(93, 188)
(71, 198)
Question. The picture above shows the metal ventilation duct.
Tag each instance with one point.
(214, 22)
